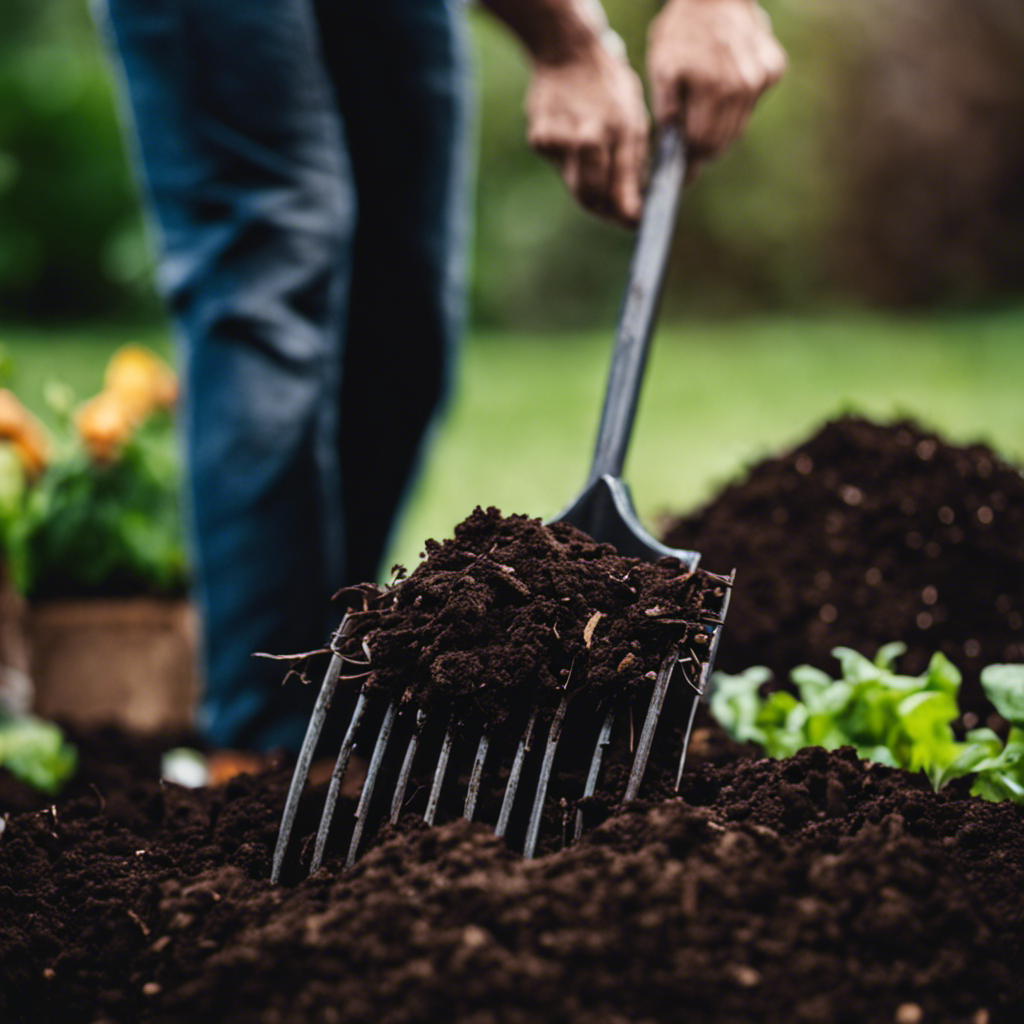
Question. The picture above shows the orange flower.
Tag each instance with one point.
(104, 423)
(25, 433)
(142, 381)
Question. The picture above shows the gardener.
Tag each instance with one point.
(306, 163)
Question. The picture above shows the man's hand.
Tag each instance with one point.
(588, 116)
(708, 63)
(708, 60)
(585, 107)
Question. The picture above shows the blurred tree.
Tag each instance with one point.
(931, 103)
(888, 166)
(71, 238)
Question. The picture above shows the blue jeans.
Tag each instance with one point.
(307, 168)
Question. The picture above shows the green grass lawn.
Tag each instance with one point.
(718, 396)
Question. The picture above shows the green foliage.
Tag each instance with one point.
(998, 767)
(901, 721)
(71, 235)
(89, 528)
(36, 752)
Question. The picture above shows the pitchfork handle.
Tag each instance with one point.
(640, 303)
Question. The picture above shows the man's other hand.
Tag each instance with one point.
(587, 115)
(708, 62)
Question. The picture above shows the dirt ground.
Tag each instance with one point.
(816, 889)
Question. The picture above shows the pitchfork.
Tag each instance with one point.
(605, 511)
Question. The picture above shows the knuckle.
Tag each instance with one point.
(741, 90)
(589, 136)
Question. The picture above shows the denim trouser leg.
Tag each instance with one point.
(242, 135)
(400, 72)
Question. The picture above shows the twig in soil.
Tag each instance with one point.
(572, 666)
(138, 920)
(292, 657)
(100, 799)
(297, 660)
(686, 676)
(724, 580)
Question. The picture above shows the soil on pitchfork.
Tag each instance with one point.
(810, 889)
(511, 615)
(865, 534)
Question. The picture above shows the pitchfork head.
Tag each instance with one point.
(400, 740)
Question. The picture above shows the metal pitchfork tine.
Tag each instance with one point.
(312, 737)
(604, 510)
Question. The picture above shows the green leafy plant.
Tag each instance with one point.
(86, 528)
(36, 752)
(998, 767)
(898, 720)
(94, 508)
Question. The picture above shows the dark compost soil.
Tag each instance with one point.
(815, 889)
(866, 534)
(506, 621)
(510, 615)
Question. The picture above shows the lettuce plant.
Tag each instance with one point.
(36, 752)
(998, 767)
(898, 720)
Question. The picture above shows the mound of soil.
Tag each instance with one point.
(510, 615)
(816, 889)
(866, 534)
(812, 889)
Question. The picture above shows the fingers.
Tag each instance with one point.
(592, 185)
(607, 179)
(715, 111)
(629, 163)
(709, 63)
(590, 120)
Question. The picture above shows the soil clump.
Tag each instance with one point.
(511, 615)
(865, 534)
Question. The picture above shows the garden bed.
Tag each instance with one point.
(865, 534)
(816, 888)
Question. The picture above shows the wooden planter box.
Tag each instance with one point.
(129, 661)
